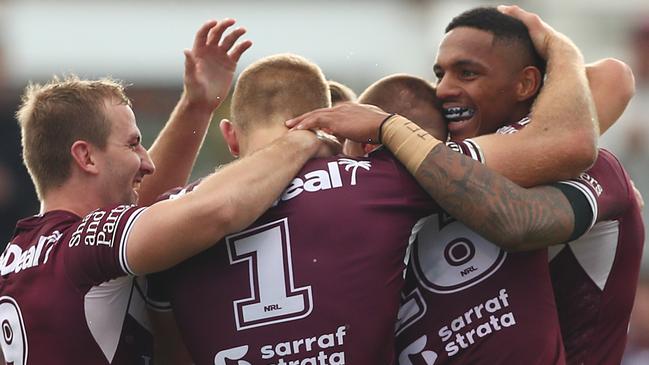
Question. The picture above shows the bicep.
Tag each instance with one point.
(554, 214)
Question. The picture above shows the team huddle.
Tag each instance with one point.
(469, 221)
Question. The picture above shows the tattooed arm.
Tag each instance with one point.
(506, 214)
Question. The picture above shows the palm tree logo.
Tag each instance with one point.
(354, 165)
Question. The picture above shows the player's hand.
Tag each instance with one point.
(358, 122)
(210, 64)
(543, 35)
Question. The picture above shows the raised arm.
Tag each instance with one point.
(209, 70)
(561, 141)
(227, 201)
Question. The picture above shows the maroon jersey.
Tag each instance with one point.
(315, 280)
(67, 295)
(595, 277)
(467, 301)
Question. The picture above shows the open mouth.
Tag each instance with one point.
(458, 113)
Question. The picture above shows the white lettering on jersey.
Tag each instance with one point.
(592, 182)
(14, 259)
(325, 343)
(329, 347)
(319, 180)
(93, 234)
(485, 318)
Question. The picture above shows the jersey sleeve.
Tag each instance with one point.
(469, 148)
(96, 249)
(606, 188)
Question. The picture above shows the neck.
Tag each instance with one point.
(260, 138)
(77, 198)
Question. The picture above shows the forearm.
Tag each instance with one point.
(175, 149)
(496, 208)
(227, 201)
(560, 142)
(563, 116)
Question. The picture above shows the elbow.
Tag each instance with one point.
(622, 75)
(585, 155)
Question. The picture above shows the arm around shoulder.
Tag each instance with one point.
(171, 231)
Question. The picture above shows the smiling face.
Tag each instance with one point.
(124, 162)
(478, 82)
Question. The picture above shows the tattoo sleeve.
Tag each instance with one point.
(508, 215)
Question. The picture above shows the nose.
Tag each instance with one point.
(447, 88)
(146, 164)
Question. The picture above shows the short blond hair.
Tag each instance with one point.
(277, 88)
(55, 115)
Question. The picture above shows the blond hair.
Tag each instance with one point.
(277, 88)
(55, 115)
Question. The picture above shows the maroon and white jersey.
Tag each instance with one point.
(315, 280)
(467, 301)
(595, 277)
(67, 295)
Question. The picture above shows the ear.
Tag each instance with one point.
(230, 136)
(529, 83)
(83, 156)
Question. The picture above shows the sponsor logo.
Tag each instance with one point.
(330, 178)
(592, 182)
(415, 350)
(95, 232)
(324, 349)
(236, 353)
(14, 259)
(477, 322)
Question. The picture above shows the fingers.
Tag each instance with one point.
(216, 32)
(306, 120)
(201, 36)
(231, 38)
(239, 49)
(531, 20)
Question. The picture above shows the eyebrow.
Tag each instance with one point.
(460, 63)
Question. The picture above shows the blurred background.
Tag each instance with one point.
(355, 42)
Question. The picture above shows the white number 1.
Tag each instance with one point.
(273, 296)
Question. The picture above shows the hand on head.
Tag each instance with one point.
(358, 122)
(543, 35)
